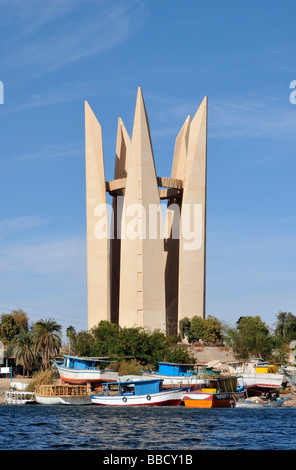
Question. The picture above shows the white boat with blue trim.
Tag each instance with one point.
(138, 393)
(85, 370)
(178, 375)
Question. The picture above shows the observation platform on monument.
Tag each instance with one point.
(171, 188)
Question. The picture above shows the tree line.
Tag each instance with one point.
(32, 346)
(35, 346)
(250, 337)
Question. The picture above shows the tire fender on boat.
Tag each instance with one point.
(148, 397)
(124, 399)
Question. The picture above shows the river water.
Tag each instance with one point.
(91, 427)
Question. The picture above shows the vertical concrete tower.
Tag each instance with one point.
(142, 286)
(139, 275)
(123, 148)
(192, 263)
(173, 230)
(98, 266)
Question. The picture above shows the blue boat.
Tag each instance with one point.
(181, 375)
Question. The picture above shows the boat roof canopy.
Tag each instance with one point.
(140, 387)
(84, 358)
(177, 364)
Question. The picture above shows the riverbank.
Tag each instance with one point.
(5, 384)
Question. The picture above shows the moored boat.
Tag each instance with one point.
(207, 398)
(258, 376)
(179, 375)
(258, 382)
(17, 397)
(219, 393)
(84, 370)
(63, 395)
(257, 402)
(138, 393)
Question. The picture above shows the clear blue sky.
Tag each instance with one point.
(54, 55)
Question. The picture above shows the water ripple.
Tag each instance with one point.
(160, 428)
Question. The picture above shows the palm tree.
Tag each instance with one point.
(47, 339)
(71, 334)
(23, 350)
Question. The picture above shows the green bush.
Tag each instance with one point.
(205, 329)
(251, 338)
(110, 340)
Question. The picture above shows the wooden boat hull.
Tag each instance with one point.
(62, 395)
(262, 380)
(83, 377)
(164, 398)
(256, 383)
(259, 404)
(63, 400)
(208, 400)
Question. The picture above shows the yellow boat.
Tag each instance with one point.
(220, 393)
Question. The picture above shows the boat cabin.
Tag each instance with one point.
(253, 366)
(220, 385)
(185, 370)
(139, 387)
(168, 368)
(82, 363)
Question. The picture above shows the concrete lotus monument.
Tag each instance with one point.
(143, 270)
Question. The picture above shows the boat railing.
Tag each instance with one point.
(117, 388)
(62, 390)
(17, 396)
